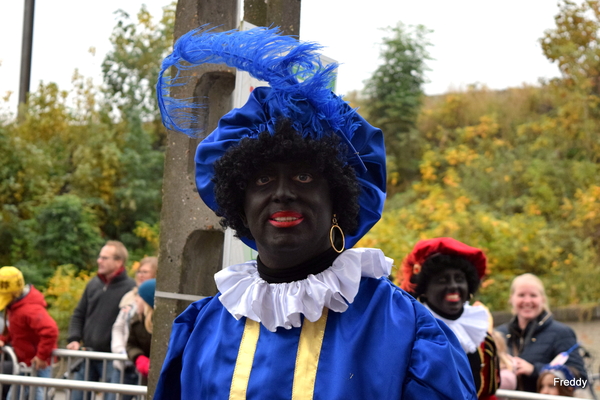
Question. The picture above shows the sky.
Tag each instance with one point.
(487, 42)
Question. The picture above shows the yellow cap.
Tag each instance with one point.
(11, 283)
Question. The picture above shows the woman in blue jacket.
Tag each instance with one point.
(533, 337)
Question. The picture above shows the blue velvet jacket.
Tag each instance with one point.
(385, 345)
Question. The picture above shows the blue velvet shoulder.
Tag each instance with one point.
(169, 383)
(438, 366)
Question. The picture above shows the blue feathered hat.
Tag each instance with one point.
(299, 91)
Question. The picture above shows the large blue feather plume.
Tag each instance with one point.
(292, 68)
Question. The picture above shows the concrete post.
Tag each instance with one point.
(191, 239)
(282, 13)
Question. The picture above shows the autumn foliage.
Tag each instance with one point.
(514, 172)
(83, 166)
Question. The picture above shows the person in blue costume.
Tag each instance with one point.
(300, 177)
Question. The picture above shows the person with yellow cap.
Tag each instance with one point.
(31, 331)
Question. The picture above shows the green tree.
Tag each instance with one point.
(394, 96)
(61, 231)
(130, 74)
(64, 290)
(85, 165)
(574, 46)
(66, 231)
(515, 172)
(131, 68)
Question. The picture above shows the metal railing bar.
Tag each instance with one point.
(518, 395)
(104, 366)
(74, 385)
(94, 355)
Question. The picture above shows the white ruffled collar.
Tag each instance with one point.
(245, 294)
(470, 328)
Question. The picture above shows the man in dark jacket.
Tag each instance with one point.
(95, 314)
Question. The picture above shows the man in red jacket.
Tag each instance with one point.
(31, 330)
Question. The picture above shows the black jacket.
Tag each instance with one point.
(541, 341)
(97, 310)
(139, 340)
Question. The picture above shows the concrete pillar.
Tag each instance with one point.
(191, 238)
(282, 13)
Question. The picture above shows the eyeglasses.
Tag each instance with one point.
(141, 271)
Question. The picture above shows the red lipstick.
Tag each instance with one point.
(285, 219)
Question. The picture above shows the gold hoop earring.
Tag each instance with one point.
(335, 225)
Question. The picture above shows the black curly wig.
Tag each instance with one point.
(242, 162)
(438, 262)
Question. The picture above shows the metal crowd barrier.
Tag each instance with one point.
(518, 395)
(11, 362)
(50, 386)
(14, 373)
(76, 357)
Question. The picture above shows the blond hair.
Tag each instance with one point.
(120, 250)
(148, 313)
(152, 262)
(505, 360)
(532, 279)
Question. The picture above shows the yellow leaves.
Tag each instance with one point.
(64, 290)
(513, 172)
(461, 154)
(431, 168)
(460, 204)
(368, 242)
(586, 207)
(569, 259)
(46, 114)
(393, 178)
(135, 266)
(428, 172)
(148, 232)
(533, 209)
(144, 17)
(65, 280)
(469, 133)
(451, 178)
(517, 166)
(487, 282)
(487, 127)
(450, 114)
(500, 143)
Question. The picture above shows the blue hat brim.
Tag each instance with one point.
(259, 114)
